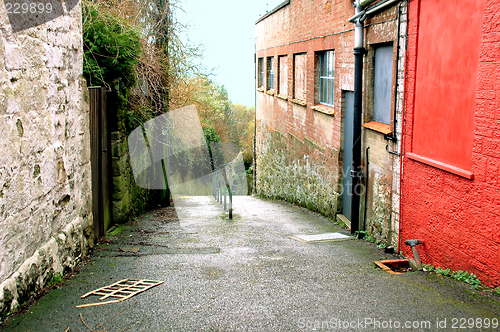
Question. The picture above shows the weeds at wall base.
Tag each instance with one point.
(462, 276)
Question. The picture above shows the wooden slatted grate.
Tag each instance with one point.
(122, 290)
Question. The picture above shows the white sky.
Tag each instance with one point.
(226, 30)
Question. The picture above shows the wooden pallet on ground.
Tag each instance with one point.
(122, 290)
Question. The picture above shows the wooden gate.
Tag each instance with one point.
(100, 161)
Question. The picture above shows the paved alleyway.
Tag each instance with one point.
(247, 274)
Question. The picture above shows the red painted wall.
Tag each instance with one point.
(453, 117)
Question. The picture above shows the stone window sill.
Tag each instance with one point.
(270, 92)
(261, 89)
(280, 96)
(324, 109)
(379, 127)
(299, 102)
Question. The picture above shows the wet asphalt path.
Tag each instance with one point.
(247, 274)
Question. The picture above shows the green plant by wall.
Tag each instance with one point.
(56, 279)
(111, 48)
(367, 237)
(460, 275)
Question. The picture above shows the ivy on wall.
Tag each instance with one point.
(111, 49)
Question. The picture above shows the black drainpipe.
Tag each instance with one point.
(357, 173)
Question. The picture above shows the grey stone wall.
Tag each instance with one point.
(45, 177)
(298, 171)
(121, 178)
(128, 199)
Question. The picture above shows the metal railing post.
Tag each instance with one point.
(224, 189)
(230, 171)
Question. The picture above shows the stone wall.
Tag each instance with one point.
(298, 171)
(127, 198)
(45, 176)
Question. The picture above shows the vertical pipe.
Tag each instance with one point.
(254, 180)
(356, 172)
(230, 192)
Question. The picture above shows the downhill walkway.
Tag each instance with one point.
(247, 274)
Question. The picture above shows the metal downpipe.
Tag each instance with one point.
(356, 173)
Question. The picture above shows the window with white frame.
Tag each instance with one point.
(270, 73)
(326, 78)
(260, 72)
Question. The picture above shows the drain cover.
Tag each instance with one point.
(320, 237)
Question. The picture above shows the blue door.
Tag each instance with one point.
(348, 137)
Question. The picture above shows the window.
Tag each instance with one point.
(382, 87)
(299, 76)
(283, 75)
(326, 78)
(260, 72)
(270, 73)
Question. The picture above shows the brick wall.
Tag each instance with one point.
(299, 145)
(459, 218)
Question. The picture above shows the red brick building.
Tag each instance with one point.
(451, 172)
(430, 96)
(305, 92)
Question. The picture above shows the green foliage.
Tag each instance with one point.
(341, 224)
(245, 129)
(210, 133)
(111, 48)
(360, 234)
(468, 278)
(115, 230)
(381, 246)
(460, 275)
(370, 238)
(497, 290)
(56, 279)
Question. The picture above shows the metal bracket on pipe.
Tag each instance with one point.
(391, 152)
(391, 138)
(357, 174)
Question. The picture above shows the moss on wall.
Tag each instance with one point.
(298, 171)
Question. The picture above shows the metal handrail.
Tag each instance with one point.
(222, 185)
